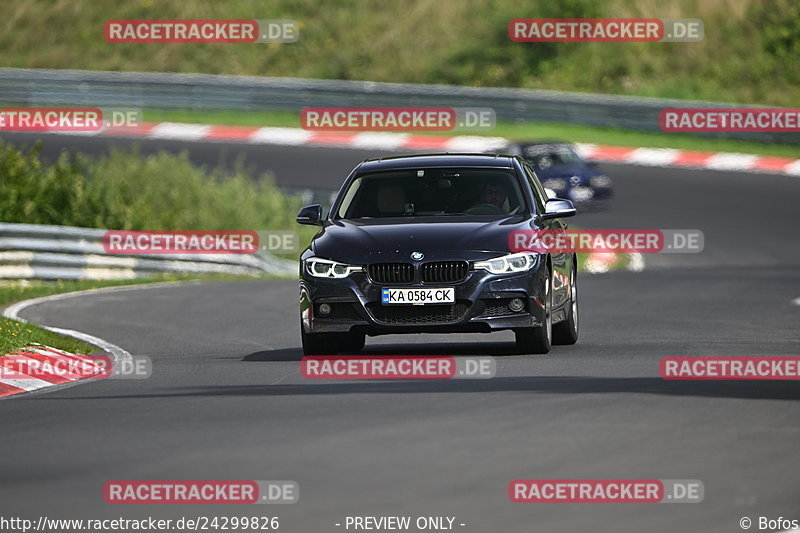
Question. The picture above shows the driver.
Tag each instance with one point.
(494, 194)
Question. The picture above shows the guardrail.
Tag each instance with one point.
(30, 251)
(38, 87)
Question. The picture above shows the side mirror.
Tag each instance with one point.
(558, 208)
(311, 215)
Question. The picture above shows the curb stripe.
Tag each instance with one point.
(691, 158)
(46, 350)
(9, 390)
(424, 142)
(88, 366)
(19, 381)
(656, 157)
(26, 385)
(380, 140)
(286, 136)
(723, 161)
(174, 130)
(50, 361)
(231, 133)
(611, 153)
(9, 373)
(336, 139)
(793, 168)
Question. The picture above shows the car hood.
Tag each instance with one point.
(394, 239)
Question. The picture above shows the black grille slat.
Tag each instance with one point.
(433, 272)
(391, 272)
(444, 271)
(496, 308)
(422, 314)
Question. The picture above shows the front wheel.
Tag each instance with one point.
(537, 340)
(567, 332)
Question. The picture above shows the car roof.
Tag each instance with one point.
(437, 160)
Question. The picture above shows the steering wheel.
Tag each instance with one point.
(485, 209)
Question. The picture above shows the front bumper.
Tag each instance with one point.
(481, 304)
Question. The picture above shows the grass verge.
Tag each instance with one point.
(16, 335)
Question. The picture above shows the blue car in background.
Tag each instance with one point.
(564, 172)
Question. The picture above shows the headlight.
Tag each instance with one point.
(581, 194)
(600, 182)
(323, 268)
(508, 263)
(557, 184)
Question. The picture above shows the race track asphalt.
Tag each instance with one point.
(226, 399)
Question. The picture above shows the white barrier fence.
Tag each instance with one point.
(30, 251)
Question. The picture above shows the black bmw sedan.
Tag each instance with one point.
(420, 244)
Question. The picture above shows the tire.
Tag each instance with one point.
(318, 343)
(537, 340)
(351, 343)
(566, 332)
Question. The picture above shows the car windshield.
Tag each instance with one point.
(433, 192)
(541, 156)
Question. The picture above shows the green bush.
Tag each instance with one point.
(127, 190)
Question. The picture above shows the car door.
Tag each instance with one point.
(562, 261)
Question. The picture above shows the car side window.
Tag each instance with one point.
(539, 194)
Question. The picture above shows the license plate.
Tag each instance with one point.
(418, 296)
